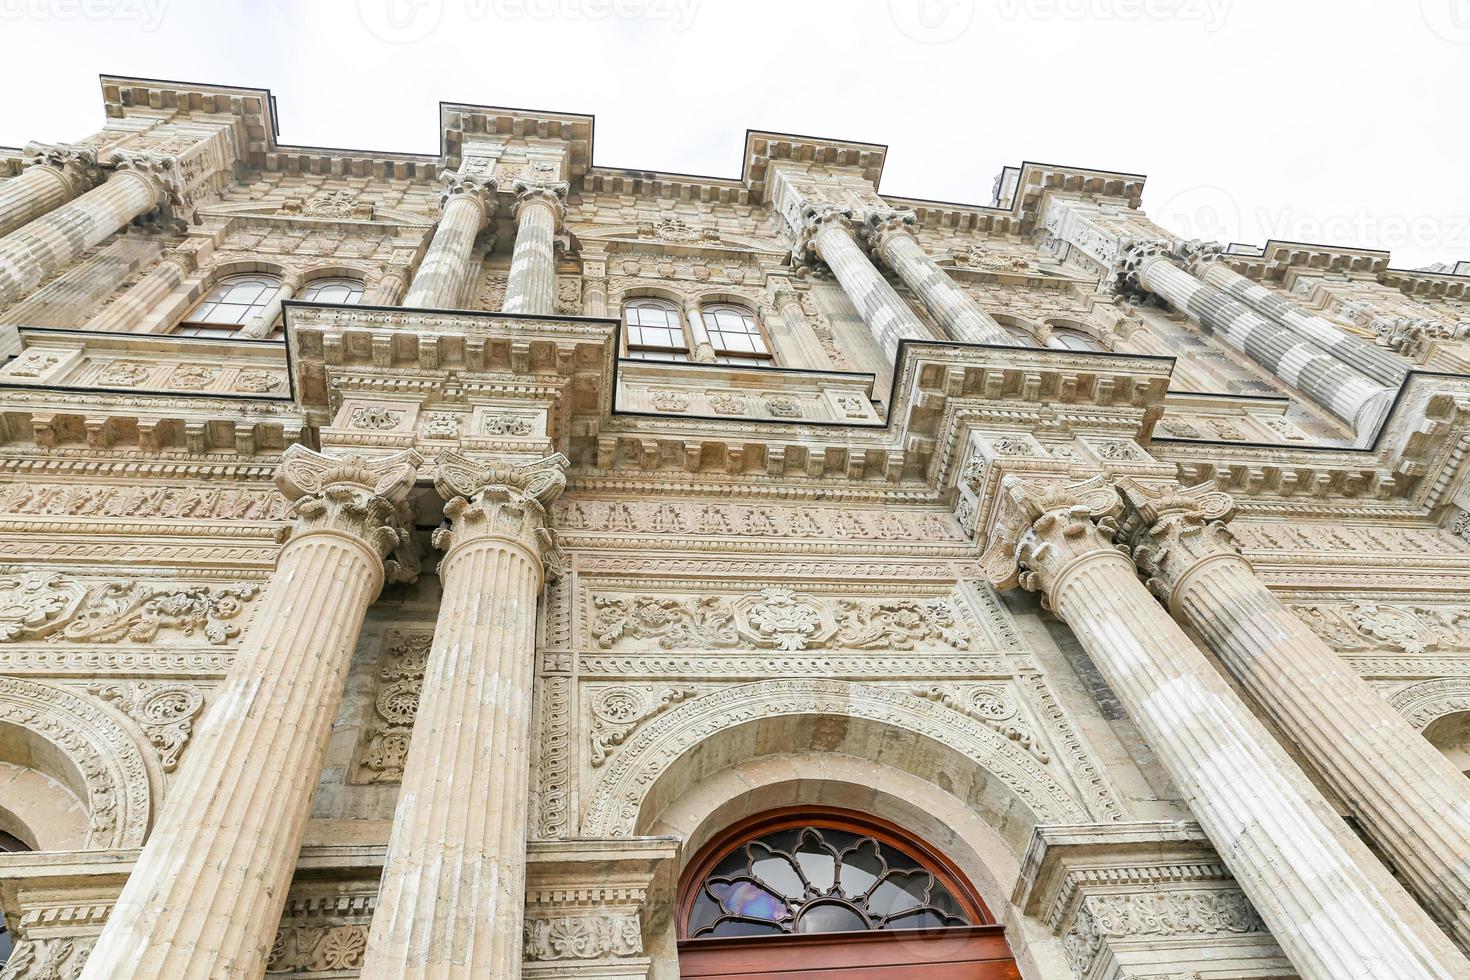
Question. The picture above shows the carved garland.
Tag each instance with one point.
(614, 804)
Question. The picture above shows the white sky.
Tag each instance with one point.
(1334, 121)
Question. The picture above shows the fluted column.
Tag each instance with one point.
(1410, 799)
(389, 288)
(826, 231)
(206, 895)
(1333, 908)
(452, 901)
(468, 203)
(128, 312)
(51, 242)
(1207, 263)
(262, 325)
(1342, 390)
(703, 351)
(890, 233)
(531, 287)
(53, 176)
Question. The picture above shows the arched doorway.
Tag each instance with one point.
(832, 893)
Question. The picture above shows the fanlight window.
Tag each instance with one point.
(232, 303)
(347, 292)
(655, 331)
(1073, 339)
(820, 879)
(736, 335)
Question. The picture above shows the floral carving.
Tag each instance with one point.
(668, 400)
(991, 707)
(898, 624)
(138, 611)
(782, 620)
(674, 623)
(400, 681)
(257, 382)
(582, 937)
(727, 403)
(506, 425)
(442, 425)
(783, 406)
(1102, 918)
(375, 417)
(35, 604)
(124, 374)
(32, 364)
(1361, 626)
(617, 711)
(192, 377)
(165, 710)
(318, 949)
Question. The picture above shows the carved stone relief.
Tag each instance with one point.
(384, 745)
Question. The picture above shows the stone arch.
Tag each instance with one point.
(90, 754)
(882, 724)
(1427, 701)
(1053, 323)
(333, 268)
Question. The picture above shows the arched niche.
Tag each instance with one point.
(1451, 735)
(91, 777)
(1007, 787)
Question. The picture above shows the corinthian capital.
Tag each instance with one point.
(1040, 527)
(535, 190)
(476, 186)
(362, 498)
(881, 224)
(1135, 256)
(1175, 531)
(495, 499)
(76, 164)
(815, 219)
(1199, 253)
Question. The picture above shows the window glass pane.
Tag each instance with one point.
(236, 300)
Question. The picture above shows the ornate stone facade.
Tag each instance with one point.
(438, 630)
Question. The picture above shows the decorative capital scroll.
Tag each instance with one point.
(1038, 527)
(1173, 531)
(552, 193)
(815, 219)
(478, 187)
(77, 164)
(364, 498)
(1134, 258)
(880, 225)
(502, 499)
(1199, 253)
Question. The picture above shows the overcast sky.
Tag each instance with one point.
(1335, 121)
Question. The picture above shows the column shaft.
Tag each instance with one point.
(882, 309)
(943, 297)
(123, 314)
(1368, 358)
(453, 894)
(49, 243)
(442, 276)
(38, 189)
(1342, 390)
(531, 287)
(389, 289)
(1333, 908)
(1410, 799)
(263, 324)
(206, 896)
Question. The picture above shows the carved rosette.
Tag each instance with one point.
(880, 225)
(1041, 528)
(1174, 532)
(498, 499)
(361, 498)
(816, 219)
(534, 190)
(472, 186)
(77, 164)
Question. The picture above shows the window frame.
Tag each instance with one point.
(360, 284)
(190, 326)
(632, 350)
(765, 358)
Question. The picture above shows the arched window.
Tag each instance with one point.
(234, 302)
(655, 331)
(1070, 338)
(832, 891)
(338, 289)
(736, 335)
(1020, 331)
